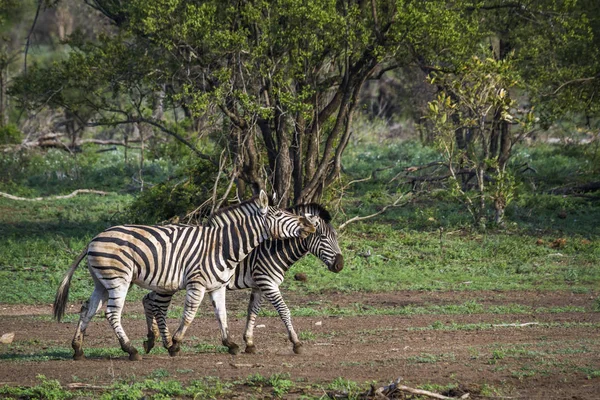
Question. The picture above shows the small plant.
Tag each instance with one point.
(159, 373)
(347, 388)
(281, 384)
(497, 354)
(307, 336)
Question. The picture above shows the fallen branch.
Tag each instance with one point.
(516, 325)
(68, 196)
(384, 209)
(585, 188)
(418, 168)
(79, 385)
(386, 391)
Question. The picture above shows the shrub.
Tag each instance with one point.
(10, 134)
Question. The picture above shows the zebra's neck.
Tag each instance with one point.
(237, 237)
(288, 251)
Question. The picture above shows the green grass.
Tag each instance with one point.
(466, 308)
(254, 386)
(426, 245)
(22, 351)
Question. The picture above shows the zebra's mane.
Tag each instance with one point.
(316, 208)
(223, 210)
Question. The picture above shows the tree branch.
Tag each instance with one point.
(37, 13)
(384, 209)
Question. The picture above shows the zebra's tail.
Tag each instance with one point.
(62, 294)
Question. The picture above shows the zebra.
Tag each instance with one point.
(263, 271)
(169, 258)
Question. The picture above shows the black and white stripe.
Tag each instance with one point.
(264, 270)
(169, 258)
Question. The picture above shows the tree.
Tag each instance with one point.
(474, 101)
(281, 79)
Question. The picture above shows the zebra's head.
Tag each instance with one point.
(324, 242)
(282, 224)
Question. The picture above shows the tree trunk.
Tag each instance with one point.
(282, 173)
(3, 81)
(505, 145)
(296, 155)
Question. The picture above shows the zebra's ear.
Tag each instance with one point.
(263, 201)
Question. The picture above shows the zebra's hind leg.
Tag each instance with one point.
(218, 301)
(88, 309)
(153, 332)
(274, 296)
(155, 308)
(193, 298)
(253, 309)
(114, 307)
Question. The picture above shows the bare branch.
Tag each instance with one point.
(580, 80)
(384, 209)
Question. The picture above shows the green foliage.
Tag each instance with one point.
(48, 389)
(176, 197)
(466, 118)
(10, 134)
(350, 389)
(280, 383)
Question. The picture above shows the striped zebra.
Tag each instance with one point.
(263, 271)
(169, 258)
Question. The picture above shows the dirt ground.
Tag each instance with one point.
(557, 358)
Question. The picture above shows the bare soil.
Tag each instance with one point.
(538, 361)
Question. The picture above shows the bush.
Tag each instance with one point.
(176, 197)
(10, 134)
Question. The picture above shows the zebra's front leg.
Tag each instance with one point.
(155, 308)
(253, 309)
(218, 301)
(193, 298)
(274, 296)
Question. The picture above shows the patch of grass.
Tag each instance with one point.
(280, 383)
(347, 388)
(466, 308)
(426, 358)
(49, 389)
(307, 336)
(19, 351)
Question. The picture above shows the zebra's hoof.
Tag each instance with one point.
(250, 349)
(148, 345)
(298, 348)
(233, 348)
(135, 356)
(174, 350)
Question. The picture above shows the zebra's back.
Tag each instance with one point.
(153, 257)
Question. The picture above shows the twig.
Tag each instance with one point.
(384, 209)
(68, 196)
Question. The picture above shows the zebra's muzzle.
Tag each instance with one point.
(338, 264)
